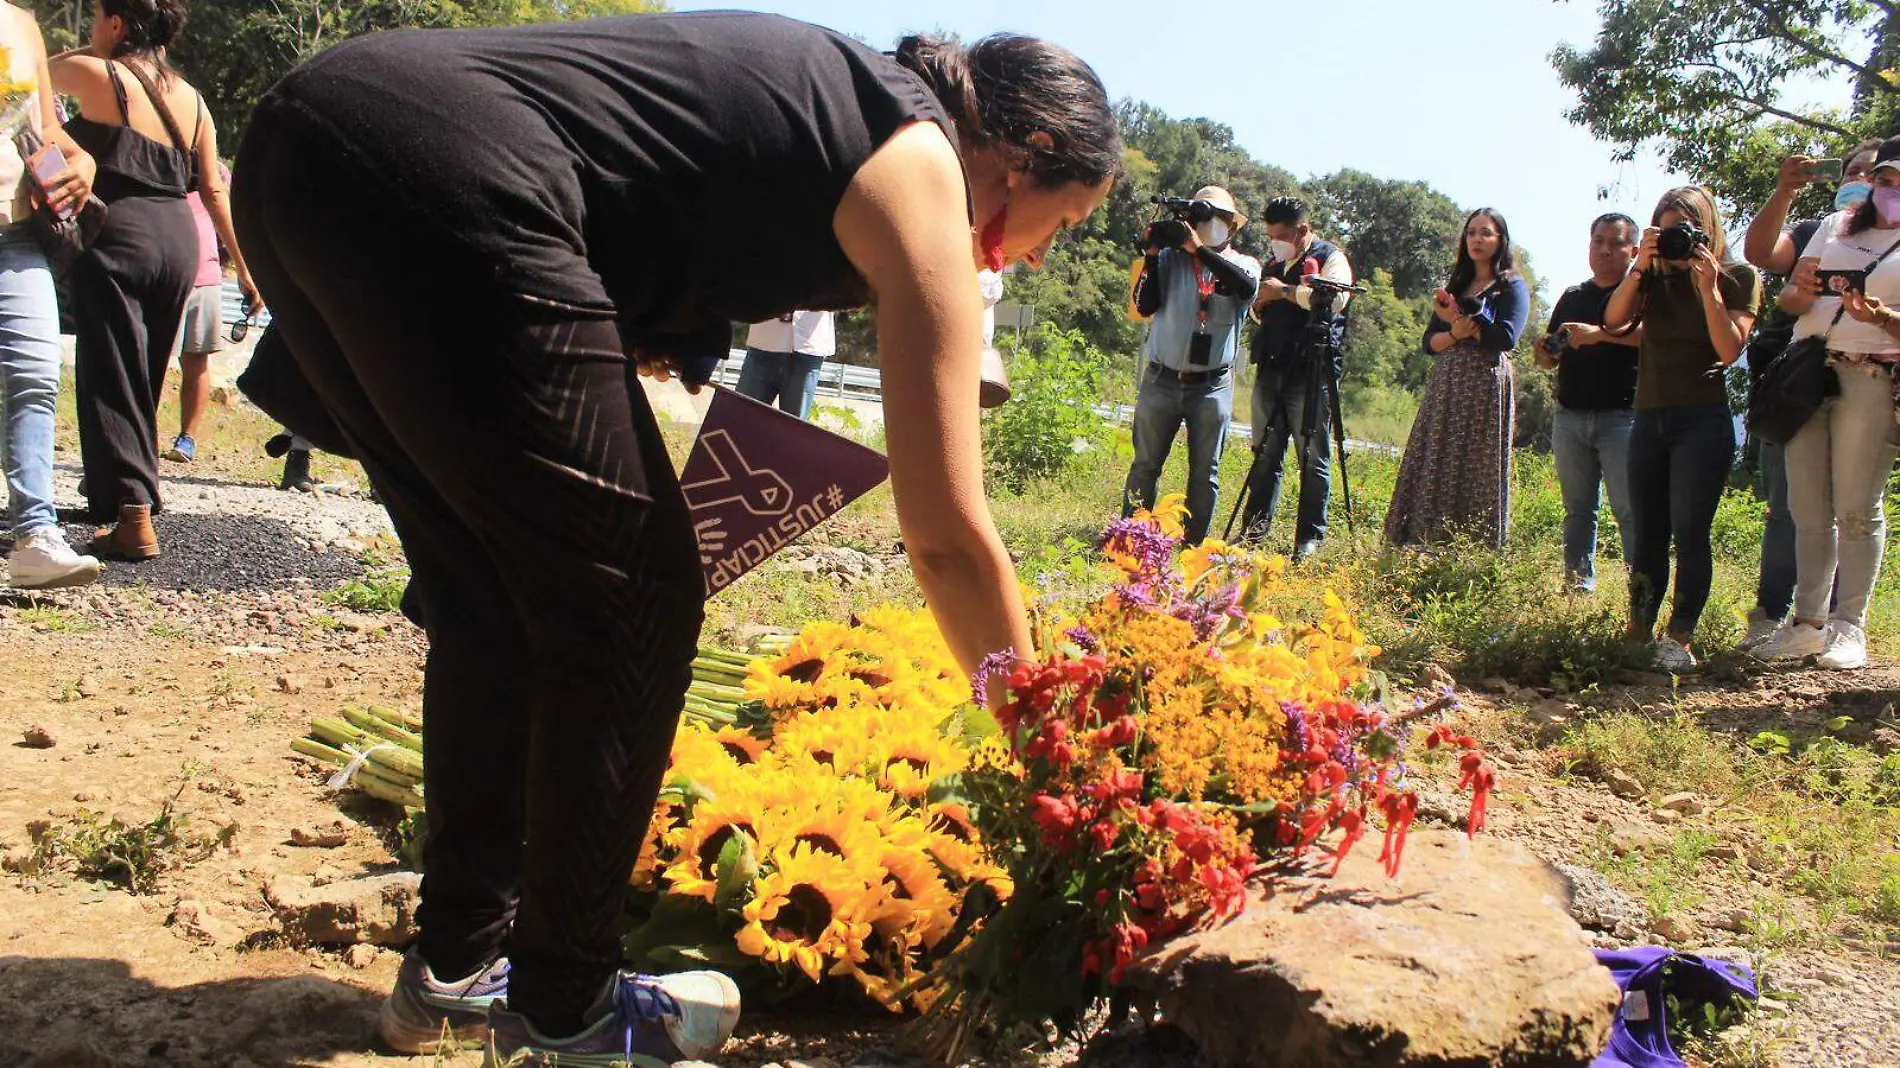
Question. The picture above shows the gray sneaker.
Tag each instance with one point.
(640, 1021)
(424, 1015)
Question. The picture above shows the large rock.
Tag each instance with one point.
(380, 909)
(1469, 958)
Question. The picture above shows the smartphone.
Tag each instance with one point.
(1827, 170)
(49, 163)
(1834, 283)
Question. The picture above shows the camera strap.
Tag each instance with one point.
(1842, 309)
(1204, 281)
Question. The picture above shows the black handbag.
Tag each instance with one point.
(1797, 382)
(64, 239)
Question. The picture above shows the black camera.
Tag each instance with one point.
(1183, 214)
(1556, 341)
(1680, 241)
(1475, 308)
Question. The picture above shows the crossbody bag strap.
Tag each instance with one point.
(164, 113)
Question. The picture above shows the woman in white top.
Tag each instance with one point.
(1838, 465)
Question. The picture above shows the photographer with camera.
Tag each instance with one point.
(1696, 307)
(1196, 289)
(1596, 388)
(1845, 288)
(1455, 475)
(1292, 366)
(1773, 246)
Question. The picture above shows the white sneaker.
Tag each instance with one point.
(42, 560)
(1672, 656)
(1760, 629)
(1846, 648)
(1792, 641)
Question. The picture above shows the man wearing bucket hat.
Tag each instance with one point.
(1197, 295)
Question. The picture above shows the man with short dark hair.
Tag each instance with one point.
(1197, 296)
(1289, 370)
(1596, 397)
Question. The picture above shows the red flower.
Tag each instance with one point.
(1051, 744)
(1122, 731)
(1057, 816)
(1400, 809)
(1354, 825)
(1105, 832)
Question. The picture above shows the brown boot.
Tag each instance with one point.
(132, 539)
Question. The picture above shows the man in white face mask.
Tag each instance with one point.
(1289, 371)
(1197, 295)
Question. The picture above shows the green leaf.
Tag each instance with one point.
(1839, 724)
(738, 866)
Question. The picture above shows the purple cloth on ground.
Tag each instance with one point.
(1639, 1037)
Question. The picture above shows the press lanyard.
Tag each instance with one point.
(1204, 280)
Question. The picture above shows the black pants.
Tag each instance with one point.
(1679, 462)
(129, 292)
(554, 566)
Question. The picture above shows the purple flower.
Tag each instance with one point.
(1002, 661)
(1083, 640)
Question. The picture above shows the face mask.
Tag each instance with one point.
(1284, 252)
(990, 241)
(1887, 202)
(1213, 232)
(1851, 195)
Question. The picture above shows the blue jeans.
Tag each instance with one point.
(1774, 592)
(1591, 448)
(1161, 407)
(1679, 460)
(29, 378)
(786, 378)
(1279, 417)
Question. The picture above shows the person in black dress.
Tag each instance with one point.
(471, 241)
(140, 121)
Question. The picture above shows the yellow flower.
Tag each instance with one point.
(697, 845)
(911, 761)
(808, 910)
(920, 908)
(741, 745)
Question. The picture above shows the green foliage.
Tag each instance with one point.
(1407, 229)
(1716, 83)
(1083, 287)
(1384, 333)
(378, 590)
(109, 850)
(234, 50)
(1056, 377)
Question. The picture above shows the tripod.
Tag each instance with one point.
(1320, 356)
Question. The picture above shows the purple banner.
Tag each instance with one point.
(758, 478)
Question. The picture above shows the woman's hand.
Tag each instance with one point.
(70, 187)
(1866, 309)
(1444, 307)
(1706, 270)
(1464, 328)
(661, 368)
(1807, 276)
(1581, 334)
(1646, 252)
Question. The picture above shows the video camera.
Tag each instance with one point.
(1183, 215)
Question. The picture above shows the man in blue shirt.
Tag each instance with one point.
(1197, 296)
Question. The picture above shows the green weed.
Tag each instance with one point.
(380, 589)
(133, 856)
(54, 620)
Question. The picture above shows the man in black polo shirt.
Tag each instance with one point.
(1596, 389)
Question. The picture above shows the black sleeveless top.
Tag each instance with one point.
(130, 163)
(678, 172)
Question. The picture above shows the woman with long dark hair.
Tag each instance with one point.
(462, 288)
(1455, 476)
(1696, 310)
(1840, 462)
(141, 121)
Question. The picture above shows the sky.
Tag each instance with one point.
(1458, 93)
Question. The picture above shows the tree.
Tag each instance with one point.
(1383, 339)
(1407, 229)
(235, 50)
(1707, 81)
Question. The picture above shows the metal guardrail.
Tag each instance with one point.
(834, 379)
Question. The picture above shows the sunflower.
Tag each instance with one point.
(694, 871)
(830, 820)
(835, 738)
(788, 680)
(697, 753)
(807, 910)
(646, 870)
(908, 762)
(741, 745)
(920, 908)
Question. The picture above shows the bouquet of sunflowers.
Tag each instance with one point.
(866, 822)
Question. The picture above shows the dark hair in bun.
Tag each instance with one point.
(1006, 88)
(149, 24)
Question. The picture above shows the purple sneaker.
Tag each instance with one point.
(424, 1015)
(640, 1021)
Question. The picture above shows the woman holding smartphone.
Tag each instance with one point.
(1455, 476)
(29, 314)
(142, 122)
(1845, 288)
(1696, 307)
(462, 289)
